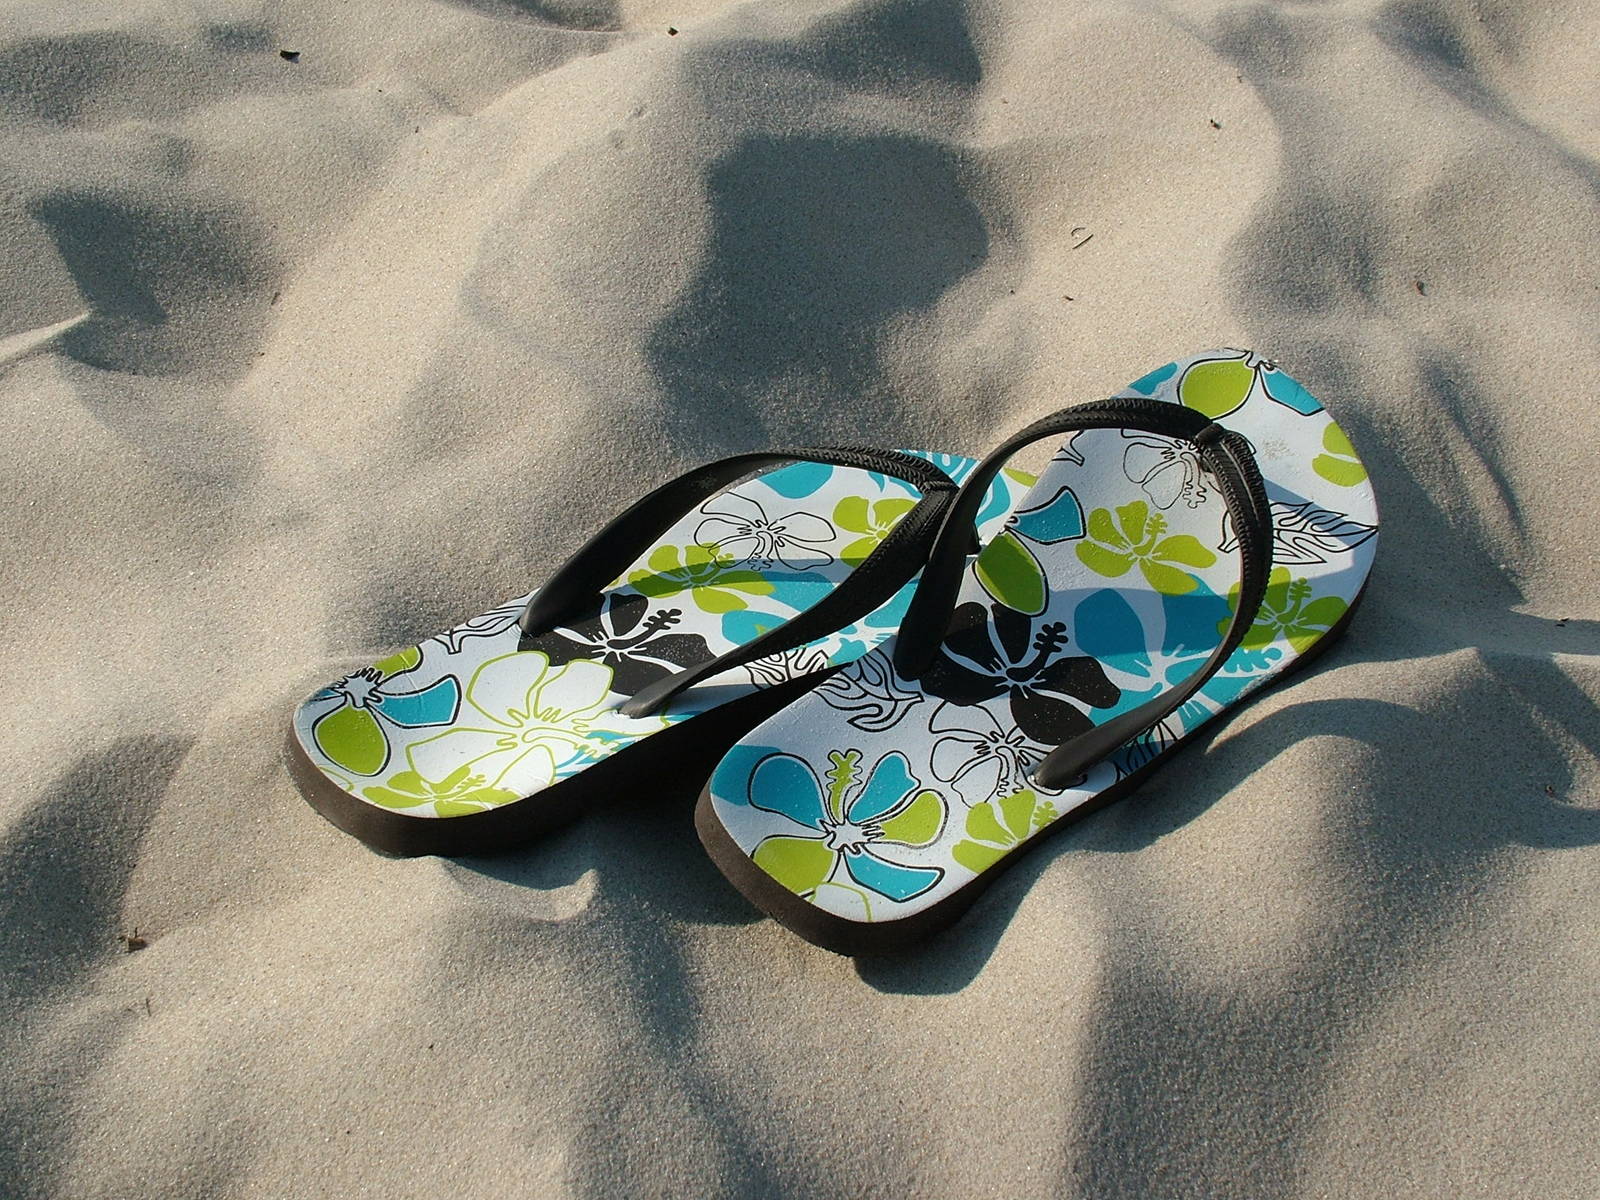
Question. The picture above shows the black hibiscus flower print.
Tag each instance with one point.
(1000, 652)
(639, 649)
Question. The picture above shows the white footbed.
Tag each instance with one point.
(874, 799)
(463, 721)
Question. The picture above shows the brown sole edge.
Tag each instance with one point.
(863, 937)
(684, 748)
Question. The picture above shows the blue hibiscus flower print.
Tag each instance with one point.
(848, 833)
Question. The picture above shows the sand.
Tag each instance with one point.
(303, 360)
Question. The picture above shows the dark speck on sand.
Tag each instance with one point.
(289, 55)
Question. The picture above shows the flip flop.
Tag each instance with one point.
(1194, 539)
(703, 608)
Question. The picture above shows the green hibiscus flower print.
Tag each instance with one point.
(710, 577)
(1134, 537)
(355, 733)
(1340, 464)
(845, 834)
(994, 829)
(872, 522)
(457, 794)
(531, 724)
(1288, 611)
(1008, 568)
(1221, 385)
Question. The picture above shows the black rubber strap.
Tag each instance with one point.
(576, 587)
(1224, 454)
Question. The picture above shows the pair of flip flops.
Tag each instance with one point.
(899, 670)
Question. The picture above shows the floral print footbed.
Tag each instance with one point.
(465, 721)
(874, 797)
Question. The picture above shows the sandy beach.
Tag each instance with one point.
(326, 326)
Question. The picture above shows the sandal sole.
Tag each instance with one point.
(857, 937)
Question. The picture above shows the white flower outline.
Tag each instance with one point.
(542, 723)
(980, 763)
(738, 526)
